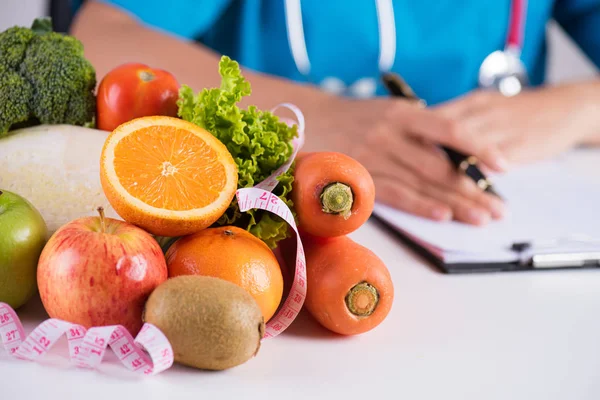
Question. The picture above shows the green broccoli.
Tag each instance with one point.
(44, 78)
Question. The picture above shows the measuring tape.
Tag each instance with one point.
(150, 352)
(260, 197)
(265, 200)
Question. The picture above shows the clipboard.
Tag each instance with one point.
(553, 223)
(583, 259)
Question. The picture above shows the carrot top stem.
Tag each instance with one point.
(362, 299)
(337, 198)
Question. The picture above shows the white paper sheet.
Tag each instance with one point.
(546, 201)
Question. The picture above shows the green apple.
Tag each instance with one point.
(23, 234)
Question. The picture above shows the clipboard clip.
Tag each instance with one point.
(538, 255)
(565, 260)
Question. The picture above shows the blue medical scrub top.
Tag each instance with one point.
(440, 44)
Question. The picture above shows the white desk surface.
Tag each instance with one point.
(525, 335)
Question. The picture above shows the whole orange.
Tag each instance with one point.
(232, 254)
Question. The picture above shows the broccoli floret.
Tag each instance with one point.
(63, 80)
(44, 77)
(15, 96)
(13, 43)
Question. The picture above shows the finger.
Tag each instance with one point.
(478, 123)
(429, 195)
(468, 189)
(399, 195)
(466, 105)
(454, 109)
(521, 151)
(425, 161)
(463, 209)
(453, 133)
(398, 186)
(477, 118)
(413, 165)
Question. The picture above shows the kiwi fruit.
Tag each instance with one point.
(211, 323)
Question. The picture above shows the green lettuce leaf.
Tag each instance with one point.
(258, 141)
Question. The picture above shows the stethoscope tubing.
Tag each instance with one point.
(297, 41)
(516, 26)
(387, 33)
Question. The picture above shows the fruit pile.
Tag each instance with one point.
(181, 255)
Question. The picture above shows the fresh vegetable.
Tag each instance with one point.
(333, 194)
(210, 323)
(56, 168)
(166, 175)
(233, 254)
(349, 289)
(23, 235)
(258, 141)
(135, 90)
(98, 271)
(44, 78)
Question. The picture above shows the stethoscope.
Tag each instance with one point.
(503, 70)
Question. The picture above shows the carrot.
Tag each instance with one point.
(333, 194)
(349, 289)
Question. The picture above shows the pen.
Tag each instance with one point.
(464, 163)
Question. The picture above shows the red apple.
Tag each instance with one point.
(100, 271)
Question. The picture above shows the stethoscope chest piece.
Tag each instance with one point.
(503, 71)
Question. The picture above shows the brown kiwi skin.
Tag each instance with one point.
(211, 323)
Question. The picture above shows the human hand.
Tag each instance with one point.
(534, 125)
(394, 140)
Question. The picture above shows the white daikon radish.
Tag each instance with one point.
(56, 168)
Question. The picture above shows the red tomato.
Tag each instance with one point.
(135, 90)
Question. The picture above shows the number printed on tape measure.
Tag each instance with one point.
(4, 319)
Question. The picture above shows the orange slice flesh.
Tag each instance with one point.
(166, 175)
(186, 169)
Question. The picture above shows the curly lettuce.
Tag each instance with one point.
(258, 141)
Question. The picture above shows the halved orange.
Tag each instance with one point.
(167, 175)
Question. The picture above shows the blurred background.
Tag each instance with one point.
(565, 61)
